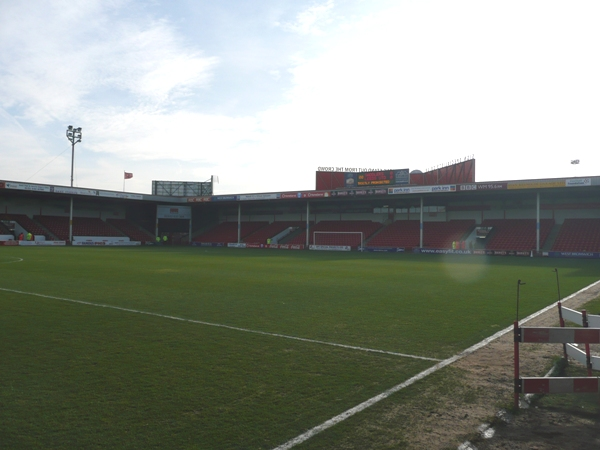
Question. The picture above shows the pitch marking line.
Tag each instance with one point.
(229, 327)
(364, 405)
(8, 262)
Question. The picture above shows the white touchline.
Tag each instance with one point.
(229, 327)
(364, 405)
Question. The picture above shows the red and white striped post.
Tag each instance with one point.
(562, 324)
(554, 385)
(517, 339)
(588, 355)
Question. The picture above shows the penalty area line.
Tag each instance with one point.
(368, 403)
(229, 327)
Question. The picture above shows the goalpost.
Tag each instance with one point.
(339, 238)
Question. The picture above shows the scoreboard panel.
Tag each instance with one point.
(377, 178)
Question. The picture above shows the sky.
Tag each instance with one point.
(260, 94)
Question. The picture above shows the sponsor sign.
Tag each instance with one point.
(341, 193)
(205, 198)
(2, 185)
(346, 193)
(173, 212)
(491, 186)
(259, 196)
(348, 169)
(73, 191)
(286, 246)
(401, 190)
(441, 251)
(383, 249)
(224, 198)
(444, 188)
(208, 244)
(501, 252)
(579, 182)
(422, 189)
(44, 243)
(315, 194)
(239, 245)
(107, 243)
(120, 195)
(290, 195)
(27, 187)
(8, 242)
(573, 254)
(536, 184)
(333, 248)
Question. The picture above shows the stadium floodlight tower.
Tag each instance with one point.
(73, 135)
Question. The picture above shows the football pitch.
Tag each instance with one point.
(213, 348)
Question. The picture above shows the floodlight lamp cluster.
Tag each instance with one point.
(74, 134)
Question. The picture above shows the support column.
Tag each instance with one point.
(307, 223)
(71, 222)
(537, 223)
(156, 224)
(421, 225)
(239, 222)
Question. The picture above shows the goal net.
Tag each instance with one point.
(338, 238)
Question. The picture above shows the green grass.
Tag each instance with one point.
(75, 375)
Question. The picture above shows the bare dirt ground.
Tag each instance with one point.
(489, 373)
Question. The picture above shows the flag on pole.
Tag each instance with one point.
(128, 175)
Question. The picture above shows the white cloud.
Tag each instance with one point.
(312, 20)
(70, 53)
(415, 85)
(425, 83)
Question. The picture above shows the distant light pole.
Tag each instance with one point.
(73, 135)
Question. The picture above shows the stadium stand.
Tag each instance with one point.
(28, 224)
(131, 230)
(402, 233)
(405, 233)
(578, 235)
(367, 227)
(273, 229)
(516, 234)
(442, 234)
(4, 230)
(59, 226)
(227, 232)
(82, 226)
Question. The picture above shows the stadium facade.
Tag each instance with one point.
(440, 211)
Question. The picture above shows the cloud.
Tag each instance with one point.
(413, 85)
(312, 20)
(68, 56)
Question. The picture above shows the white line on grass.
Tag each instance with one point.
(364, 405)
(229, 327)
(8, 262)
